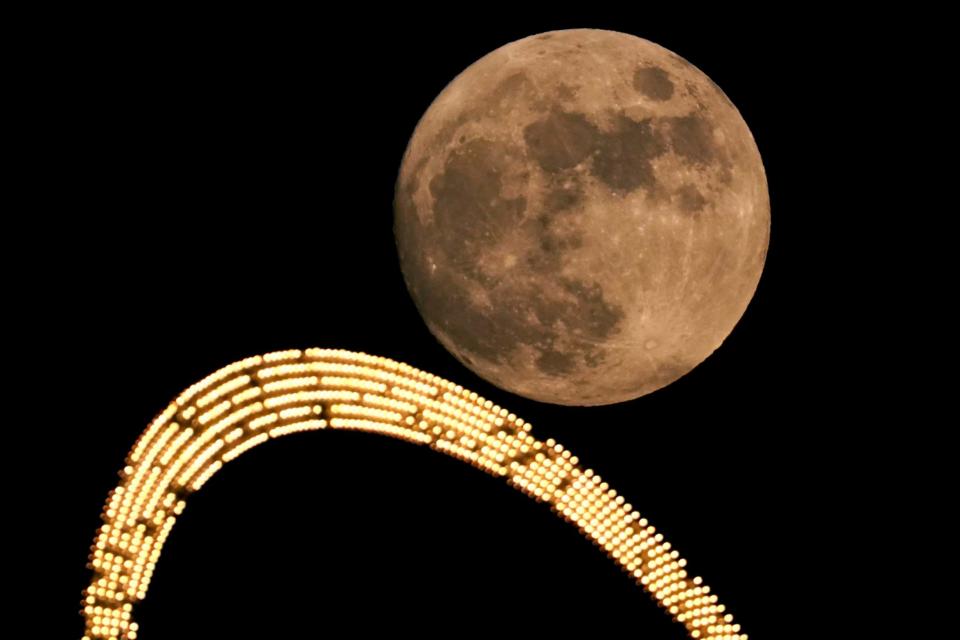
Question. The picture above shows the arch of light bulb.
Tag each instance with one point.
(264, 397)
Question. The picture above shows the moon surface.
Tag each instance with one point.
(581, 217)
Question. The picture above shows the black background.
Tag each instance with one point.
(225, 188)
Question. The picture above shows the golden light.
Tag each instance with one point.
(251, 401)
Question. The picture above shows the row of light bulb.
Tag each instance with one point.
(264, 397)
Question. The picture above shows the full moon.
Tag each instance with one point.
(581, 217)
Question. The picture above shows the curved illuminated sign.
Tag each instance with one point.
(264, 397)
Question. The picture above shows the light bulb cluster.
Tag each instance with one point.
(264, 397)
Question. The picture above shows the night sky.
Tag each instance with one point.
(229, 193)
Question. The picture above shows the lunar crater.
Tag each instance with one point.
(653, 82)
